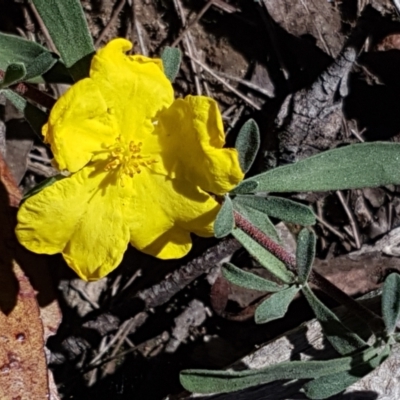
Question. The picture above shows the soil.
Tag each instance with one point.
(282, 48)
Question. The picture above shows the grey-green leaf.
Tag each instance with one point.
(245, 186)
(213, 381)
(305, 254)
(248, 280)
(355, 166)
(341, 338)
(68, 29)
(257, 218)
(36, 59)
(327, 386)
(14, 73)
(171, 58)
(278, 207)
(391, 301)
(34, 115)
(42, 185)
(247, 144)
(225, 221)
(275, 306)
(264, 257)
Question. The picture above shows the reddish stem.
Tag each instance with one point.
(32, 93)
(373, 320)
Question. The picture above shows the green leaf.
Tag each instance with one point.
(275, 306)
(355, 166)
(38, 188)
(327, 386)
(264, 257)
(248, 280)
(68, 29)
(257, 218)
(171, 58)
(212, 381)
(247, 144)
(341, 338)
(245, 186)
(14, 73)
(225, 221)
(34, 115)
(391, 302)
(36, 59)
(305, 254)
(278, 207)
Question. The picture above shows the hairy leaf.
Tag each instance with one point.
(247, 144)
(278, 207)
(14, 73)
(275, 306)
(212, 381)
(355, 166)
(225, 221)
(171, 58)
(264, 257)
(68, 29)
(340, 337)
(248, 280)
(391, 301)
(36, 59)
(327, 386)
(34, 115)
(305, 254)
(246, 186)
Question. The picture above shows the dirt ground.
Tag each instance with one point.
(314, 75)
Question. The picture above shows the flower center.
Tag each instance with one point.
(128, 159)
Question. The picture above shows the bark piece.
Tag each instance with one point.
(319, 19)
(310, 120)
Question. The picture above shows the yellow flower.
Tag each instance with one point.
(143, 167)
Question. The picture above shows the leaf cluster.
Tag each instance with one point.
(355, 166)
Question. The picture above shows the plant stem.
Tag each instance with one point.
(32, 93)
(373, 320)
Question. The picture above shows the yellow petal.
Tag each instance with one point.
(80, 124)
(82, 217)
(165, 211)
(175, 243)
(191, 137)
(135, 87)
(119, 99)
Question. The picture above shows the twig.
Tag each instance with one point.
(191, 23)
(235, 119)
(352, 220)
(358, 134)
(143, 48)
(249, 84)
(189, 46)
(113, 18)
(315, 278)
(43, 28)
(332, 229)
(228, 85)
(125, 329)
(162, 292)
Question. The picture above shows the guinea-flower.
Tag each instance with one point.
(144, 168)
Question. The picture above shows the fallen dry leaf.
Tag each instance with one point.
(24, 327)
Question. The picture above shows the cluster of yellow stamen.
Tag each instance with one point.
(128, 159)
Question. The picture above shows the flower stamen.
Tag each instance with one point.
(127, 159)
